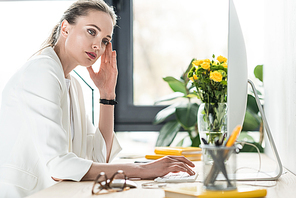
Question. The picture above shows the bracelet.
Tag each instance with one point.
(108, 102)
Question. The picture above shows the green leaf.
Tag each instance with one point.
(184, 75)
(181, 142)
(176, 85)
(243, 136)
(249, 148)
(196, 141)
(165, 113)
(251, 122)
(252, 104)
(170, 97)
(187, 116)
(258, 72)
(192, 95)
(167, 133)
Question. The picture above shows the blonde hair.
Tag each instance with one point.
(77, 9)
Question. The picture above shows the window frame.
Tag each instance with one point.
(129, 117)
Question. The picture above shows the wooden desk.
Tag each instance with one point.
(284, 187)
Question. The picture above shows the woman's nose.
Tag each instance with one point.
(96, 46)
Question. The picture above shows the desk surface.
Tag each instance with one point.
(284, 187)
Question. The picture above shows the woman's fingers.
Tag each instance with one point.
(109, 56)
(181, 159)
(103, 58)
(180, 166)
(108, 53)
(166, 165)
(114, 62)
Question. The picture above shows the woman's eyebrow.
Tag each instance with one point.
(99, 29)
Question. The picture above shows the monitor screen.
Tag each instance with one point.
(237, 84)
(237, 72)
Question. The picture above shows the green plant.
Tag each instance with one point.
(253, 120)
(181, 114)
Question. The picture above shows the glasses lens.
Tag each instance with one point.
(118, 181)
(99, 184)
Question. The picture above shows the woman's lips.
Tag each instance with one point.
(91, 55)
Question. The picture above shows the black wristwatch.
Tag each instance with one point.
(108, 102)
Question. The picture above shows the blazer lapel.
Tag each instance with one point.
(77, 141)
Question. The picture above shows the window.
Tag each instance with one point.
(158, 38)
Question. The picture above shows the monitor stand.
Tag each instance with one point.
(269, 176)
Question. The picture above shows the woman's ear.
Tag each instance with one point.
(65, 26)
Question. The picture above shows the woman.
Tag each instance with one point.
(44, 133)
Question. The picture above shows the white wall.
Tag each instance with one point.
(279, 77)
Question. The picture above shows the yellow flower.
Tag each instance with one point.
(197, 62)
(222, 59)
(207, 60)
(224, 65)
(193, 78)
(216, 76)
(205, 65)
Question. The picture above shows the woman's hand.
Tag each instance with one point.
(105, 79)
(165, 165)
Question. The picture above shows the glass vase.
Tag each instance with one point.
(212, 121)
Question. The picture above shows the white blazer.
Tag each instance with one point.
(35, 137)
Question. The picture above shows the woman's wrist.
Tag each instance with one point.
(106, 96)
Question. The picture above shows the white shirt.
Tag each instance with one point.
(35, 131)
(68, 81)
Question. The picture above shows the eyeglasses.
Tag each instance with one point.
(116, 183)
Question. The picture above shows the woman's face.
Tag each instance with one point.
(87, 39)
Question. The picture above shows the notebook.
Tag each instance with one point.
(196, 191)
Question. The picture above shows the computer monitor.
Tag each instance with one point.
(237, 79)
(237, 91)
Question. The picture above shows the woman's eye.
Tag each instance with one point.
(91, 32)
(106, 42)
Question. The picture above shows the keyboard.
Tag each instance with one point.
(176, 178)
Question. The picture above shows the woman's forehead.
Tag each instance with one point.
(98, 18)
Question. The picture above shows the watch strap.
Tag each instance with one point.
(108, 102)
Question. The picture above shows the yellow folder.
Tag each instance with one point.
(193, 157)
(177, 150)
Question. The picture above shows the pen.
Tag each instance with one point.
(214, 172)
(228, 143)
(233, 136)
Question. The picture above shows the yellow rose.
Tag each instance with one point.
(193, 78)
(205, 65)
(196, 62)
(224, 65)
(216, 76)
(207, 60)
(222, 59)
